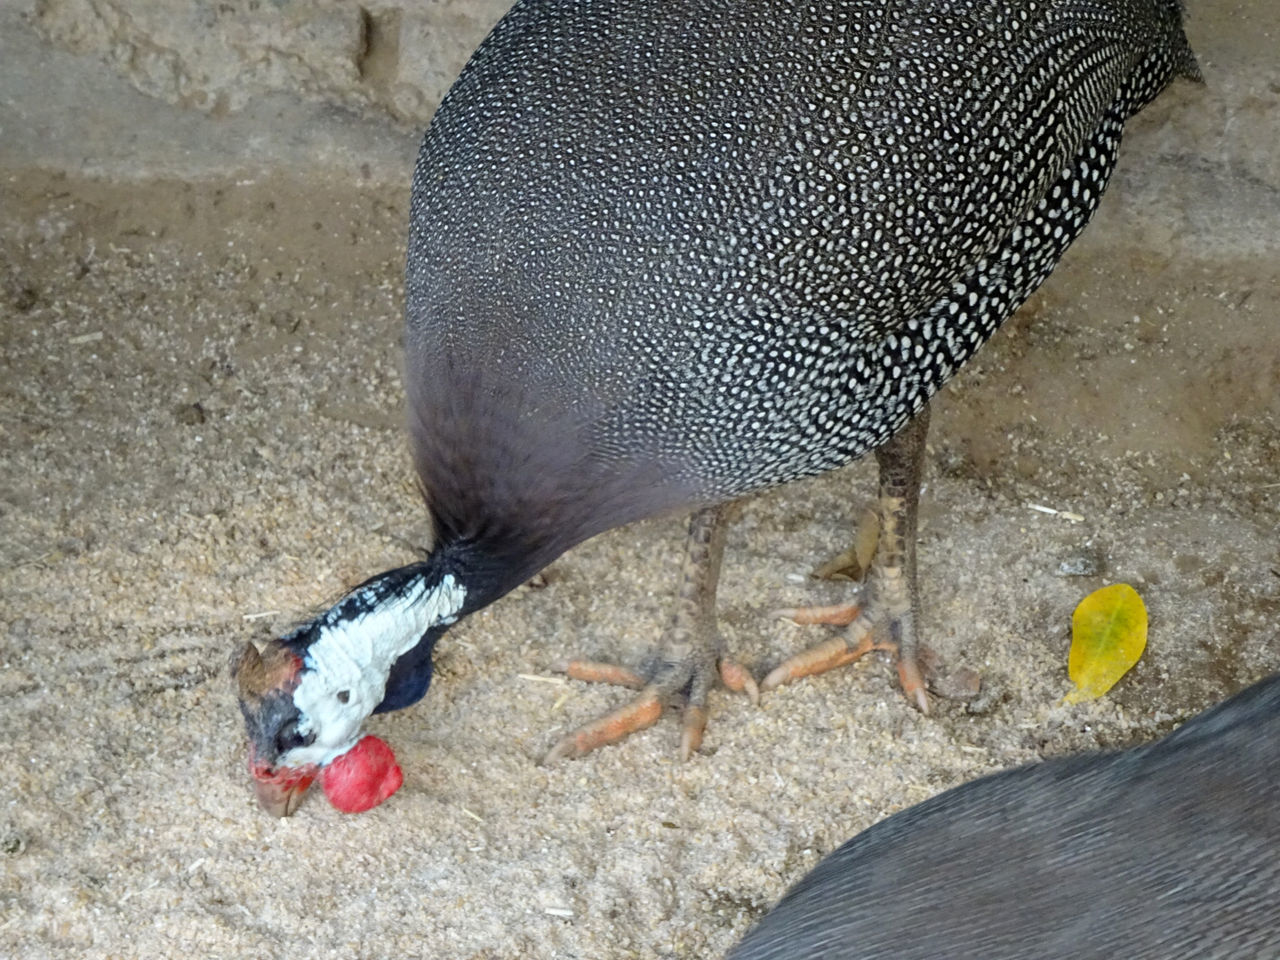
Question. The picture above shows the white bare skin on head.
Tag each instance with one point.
(344, 676)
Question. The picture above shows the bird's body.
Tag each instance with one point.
(1169, 851)
(665, 253)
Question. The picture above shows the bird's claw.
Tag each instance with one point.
(641, 712)
(839, 615)
(695, 724)
(825, 656)
(594, 671)
(646, 708)
(840, 651)
(737, 678)
(913, 686)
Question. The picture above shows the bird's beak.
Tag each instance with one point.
(266, 682)
(280, 792)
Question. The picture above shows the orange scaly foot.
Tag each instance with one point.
(690, 663)
(886, 614)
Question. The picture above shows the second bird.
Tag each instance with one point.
(663, 255)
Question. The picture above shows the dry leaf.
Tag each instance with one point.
(854, 563)
(1108, 635)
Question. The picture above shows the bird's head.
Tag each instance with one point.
(266, 682)
(306, 696)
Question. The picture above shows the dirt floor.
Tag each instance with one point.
(200, 412)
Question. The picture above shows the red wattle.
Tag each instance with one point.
(362, 777)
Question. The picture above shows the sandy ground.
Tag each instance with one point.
(200, 417)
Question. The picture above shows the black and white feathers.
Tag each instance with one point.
(668, 253)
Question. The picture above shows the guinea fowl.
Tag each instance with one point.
(666, 253)
(1168, 851)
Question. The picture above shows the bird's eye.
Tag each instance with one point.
(344, 696)
(288, 738)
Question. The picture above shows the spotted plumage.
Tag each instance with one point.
(665, 253)
(741, 243)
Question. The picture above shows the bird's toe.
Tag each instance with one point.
(640, 713)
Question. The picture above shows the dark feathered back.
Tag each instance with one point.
(1164, 852)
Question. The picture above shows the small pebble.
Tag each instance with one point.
(189, 414)
(1085, 562)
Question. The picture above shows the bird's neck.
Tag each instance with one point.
(349, 651)
(386, 616)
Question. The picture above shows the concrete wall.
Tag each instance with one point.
(130, 89)
(219, 55)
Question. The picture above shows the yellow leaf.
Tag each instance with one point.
(1108, 635)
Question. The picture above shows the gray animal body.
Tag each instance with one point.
(664, 254)
(1169, 851)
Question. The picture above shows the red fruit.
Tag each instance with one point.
(362, 777)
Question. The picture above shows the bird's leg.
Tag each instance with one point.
(690, 661)
(888, 610)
